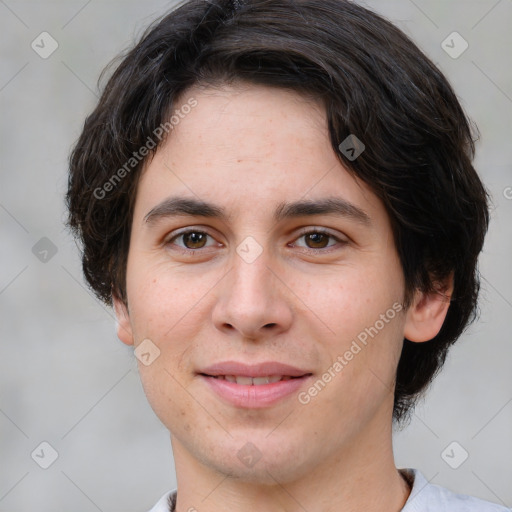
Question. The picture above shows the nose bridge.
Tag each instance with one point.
(251, 298)
(251, 279)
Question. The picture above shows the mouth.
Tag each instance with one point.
(253, 386)
(251, 381)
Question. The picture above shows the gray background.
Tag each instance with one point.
(66, 379)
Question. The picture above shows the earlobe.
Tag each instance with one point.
(123, 324)
(427, 313)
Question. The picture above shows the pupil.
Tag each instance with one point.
(318, 238)
(195, 239)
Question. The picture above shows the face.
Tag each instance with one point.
(255, 254)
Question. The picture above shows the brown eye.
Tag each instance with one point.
(194, 239)
(191, 240)
(317, 240)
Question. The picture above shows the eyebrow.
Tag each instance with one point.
(180, 206)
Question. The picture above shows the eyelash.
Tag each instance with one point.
(304, 232)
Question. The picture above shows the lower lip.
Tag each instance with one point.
(254, 397)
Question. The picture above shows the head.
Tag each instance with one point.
(241, 117)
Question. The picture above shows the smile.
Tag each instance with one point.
(254, 393)
(252, 381)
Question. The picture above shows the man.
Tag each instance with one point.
(277, 197)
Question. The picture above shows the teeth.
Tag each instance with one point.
(256, 381)
(244, 380)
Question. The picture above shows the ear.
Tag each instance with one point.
(426, 315)
(123, 324)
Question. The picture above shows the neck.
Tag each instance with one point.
(360, 476)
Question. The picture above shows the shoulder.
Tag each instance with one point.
(166, 503)
(426, 497)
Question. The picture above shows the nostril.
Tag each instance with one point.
(270, 325)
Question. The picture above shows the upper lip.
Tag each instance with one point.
(253, 370)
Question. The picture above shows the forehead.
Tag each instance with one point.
(249, 148)
(247, 122)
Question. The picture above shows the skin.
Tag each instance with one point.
(248, 148)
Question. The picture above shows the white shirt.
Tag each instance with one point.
(424, 497)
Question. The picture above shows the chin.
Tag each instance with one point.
(263, 473)
(257, 460)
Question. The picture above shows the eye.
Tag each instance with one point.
(191, 239)
(317, 239)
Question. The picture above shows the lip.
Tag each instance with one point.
(253, 370)
(253, 396)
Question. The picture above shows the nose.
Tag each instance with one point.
(253, 301)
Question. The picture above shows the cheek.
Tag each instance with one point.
(163, 299)
(164, 309)
(362, 309)
(349, 298)
(168, 397)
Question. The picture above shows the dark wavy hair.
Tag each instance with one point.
(373, 81)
